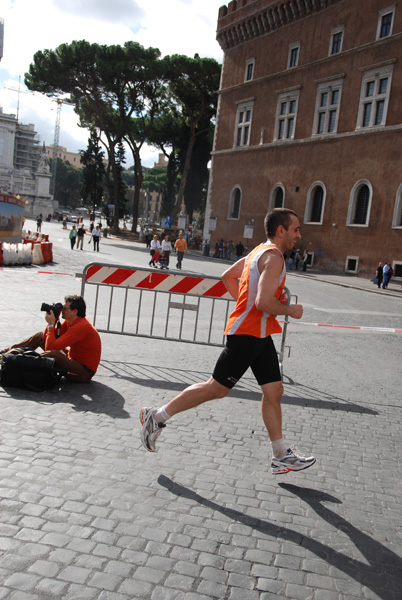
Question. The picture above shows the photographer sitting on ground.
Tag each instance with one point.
(82, 358)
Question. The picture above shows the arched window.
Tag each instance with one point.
(315, 204)
(235, 203)
(277, 199)
(360, 204)
(397, 220)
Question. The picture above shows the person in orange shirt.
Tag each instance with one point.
(74, 344)
(249, 343)
(181, 247)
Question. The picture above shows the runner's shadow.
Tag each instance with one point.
(176, 380)
(383, 571)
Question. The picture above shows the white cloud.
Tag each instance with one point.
(127, 12)
(173, 26)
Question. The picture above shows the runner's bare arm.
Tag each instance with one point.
(231, 277)
(270, 265)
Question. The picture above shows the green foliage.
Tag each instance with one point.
(68, 184)
(129, 93)
(93, 172)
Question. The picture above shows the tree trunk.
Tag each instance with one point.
(186, 169)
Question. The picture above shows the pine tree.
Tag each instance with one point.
(93, 171)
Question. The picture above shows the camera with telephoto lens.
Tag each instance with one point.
(56, 308)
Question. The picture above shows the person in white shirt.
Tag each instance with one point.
(167, 248)
(155, 248)
(96, 233)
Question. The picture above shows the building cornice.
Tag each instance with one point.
(312, 140)
(276, 15)
(323, 60)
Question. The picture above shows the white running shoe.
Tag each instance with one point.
(291, 462)
(150, 430)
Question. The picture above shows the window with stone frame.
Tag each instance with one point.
(335, 46)
(327, 107)
(397, 219)
(249, 70)
(277, 199)
(385, 22)
(374, 97)
(235, 203)
(293, 56)
(243, 124)
(360, 204)
(286, 116)
(315, 204)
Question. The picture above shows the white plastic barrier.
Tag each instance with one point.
(37, 256)
(16, 254)
(9, 254)
(24, 255)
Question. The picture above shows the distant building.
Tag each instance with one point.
(1, 37)
(72, 158)
(309, 117)
(24, 169)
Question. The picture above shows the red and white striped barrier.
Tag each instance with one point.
(156, 280)
(355, 327)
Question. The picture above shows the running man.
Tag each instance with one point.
(248, 343)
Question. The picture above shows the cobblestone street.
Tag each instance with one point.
(87, 513)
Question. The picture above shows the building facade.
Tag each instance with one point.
(24, 168)
(309, 117)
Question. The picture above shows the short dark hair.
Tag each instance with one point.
(77, 303)
(277, 217)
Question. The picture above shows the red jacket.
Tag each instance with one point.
(81, 338)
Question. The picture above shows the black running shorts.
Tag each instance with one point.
(242, 352)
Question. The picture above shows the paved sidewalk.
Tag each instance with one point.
(88, 514)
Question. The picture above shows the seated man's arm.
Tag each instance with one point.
(70, 335)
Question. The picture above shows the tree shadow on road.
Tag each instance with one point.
(383, 571)
(177, 380)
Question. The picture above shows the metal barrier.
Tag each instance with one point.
(159, 304)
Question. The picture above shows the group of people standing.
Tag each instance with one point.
(226, 249)
(294, 259)
(160, 251)
(77, 235)
(383, 275)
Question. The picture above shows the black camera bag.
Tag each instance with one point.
(29, 370)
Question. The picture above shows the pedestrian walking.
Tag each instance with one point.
(73, 237)
(80, 238)
(239, 250)
(230, 249)
(155, 251)
(386, 275)
(249, 343)
(166, 248)
(181, 248)
(378, 275)
(304, 260)
(96, 233)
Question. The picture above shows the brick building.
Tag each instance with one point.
(309, 117)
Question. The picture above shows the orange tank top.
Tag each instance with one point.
(246, 319)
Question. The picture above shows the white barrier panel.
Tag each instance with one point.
(37, 256)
